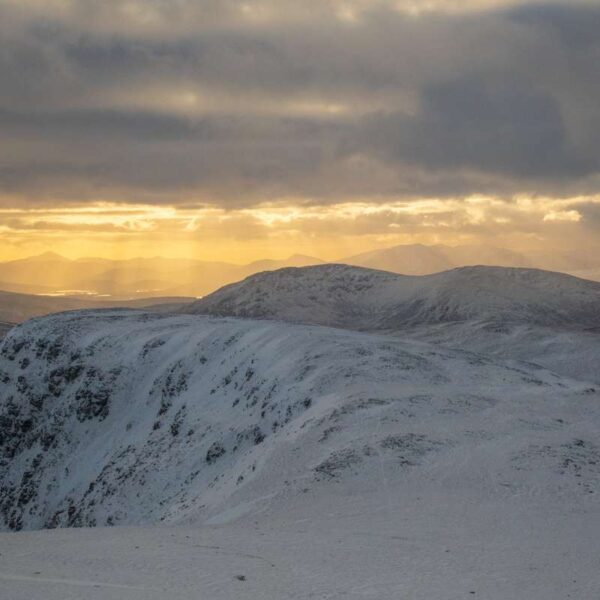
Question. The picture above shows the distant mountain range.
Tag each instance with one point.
(51, 273)
(418, 259)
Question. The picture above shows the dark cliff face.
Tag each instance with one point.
(140, 404)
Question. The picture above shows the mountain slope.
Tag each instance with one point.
(130, 418)
(357, 298)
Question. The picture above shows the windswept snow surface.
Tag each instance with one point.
(418, 546)
(312, 462)
(525, 314)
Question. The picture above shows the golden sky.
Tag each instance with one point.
(329, 232)
(238, 130)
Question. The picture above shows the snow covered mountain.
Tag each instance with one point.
(120, 417)
(358, 298)
(525, 314)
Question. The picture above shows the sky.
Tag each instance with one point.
(237, 130)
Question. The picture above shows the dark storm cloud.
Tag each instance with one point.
(494, 127)
(577, 27)
(105, 123)
(203, 102)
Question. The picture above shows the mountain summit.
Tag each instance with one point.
(366, 299)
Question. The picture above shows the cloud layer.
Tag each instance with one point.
(237, 103)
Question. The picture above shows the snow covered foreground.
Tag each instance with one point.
(311, 462)
(412, 543)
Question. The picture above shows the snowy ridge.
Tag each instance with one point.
(524, 314)
(359, 298)
(120, 417)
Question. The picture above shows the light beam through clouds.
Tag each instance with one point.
(230, 129)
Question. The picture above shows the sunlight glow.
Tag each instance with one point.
(278, 229)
